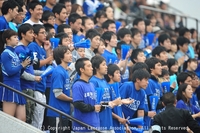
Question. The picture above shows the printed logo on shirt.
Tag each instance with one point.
(91, 95)
(106, 95)
(157, 93)
(15, 62)
(67, 84)
(134, 106)
(145, 100)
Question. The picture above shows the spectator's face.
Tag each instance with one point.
(187, 35)
(68, 6)
(67, 57)
(188, 92)
(66, 41)
(68, 31)
(117, 76)
(13, 40)
(167, 44)
(141, 57)
(76, 25)
(79, 11)
(142, 83)
(14, 12)
(195, 82)
(127, 39)
(81, 52)
(192, 65)
(52, 32)
(102, 19)
(137, 39)
(113, 41)
(51, 20)
(95, 42)
(174, 48)
(153, 22)
(174, 68)
(157, 70)
(29, 36)
(112, 27)
(101, 48)
(149, 28)
(163, 56)
(19, 18)
(62, 16)
(37, 12)
(103, 69)
(89, 24)
(188, 80)
(88, 70)
(141, 27)
(184, 48)
(109, 13)
(41, 36)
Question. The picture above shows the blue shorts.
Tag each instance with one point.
(7, 95)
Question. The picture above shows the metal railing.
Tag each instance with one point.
(49, 107)
(142, 7)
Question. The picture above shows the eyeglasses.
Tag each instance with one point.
(51, 18)
(195, 78)
(44, 33)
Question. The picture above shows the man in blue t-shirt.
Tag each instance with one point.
(40, 62)
(9, 12)
(60, 91)
(99, 70)
(84, 98)
(134, 90)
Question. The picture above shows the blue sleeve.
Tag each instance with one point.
(7, 62)
(181, 105)
(142, 101)
(148, 89)
(195, 109)
(77, 92)
(57, 80)
(95, 83)
(125, 90)
(3, 26)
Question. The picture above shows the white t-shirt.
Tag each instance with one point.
(32, 23)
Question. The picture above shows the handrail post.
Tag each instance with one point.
(60, 125)
(185, 21)
(197, 28)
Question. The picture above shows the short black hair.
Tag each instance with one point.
(168, 98)
(99, 14)
(107, 36)
(37, 27)
(138, 65)
(183, 30)
(111, 70)
(151, 62)
(162, 38)
(134, 32)
(64, 1)
(106, 24)
(170, 63)
(73, 17)
(157, 50)
(9, 4)
(119, 44)
(80, 63)
(91, 33)
(33, 4)
(58, 8)
(182, 40)
(185, 64)
(46, 14)
(134, 54)
(84, 18)
(137, 21)
(96, 61)
(48, 27)
(181, 77)
(62, 27)
(58, 53)
(122, 32)
(164, 72)
(23, 29)
(140, 74)
(7, 34)
(61, 36)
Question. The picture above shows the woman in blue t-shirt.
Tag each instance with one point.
(184, 95)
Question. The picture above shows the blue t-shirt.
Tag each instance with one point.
(127, 90)
(194, 100)
(25, 84)
(11, 67)
(4, 24)
(60, 80)
(154, 88)
(191, 52)
(106, 122)
(191, 108)
(147, 120)
(125, 76)
(45, 8)
(40, 54)
(110, 57)
(84, 91)
(118, 127)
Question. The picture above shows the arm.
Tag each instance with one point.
(38, 72)
(80, 105)
(61, 96)
(28, 76)
(140, 113)
(121, 120)
(192, 124)
(46, 61)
